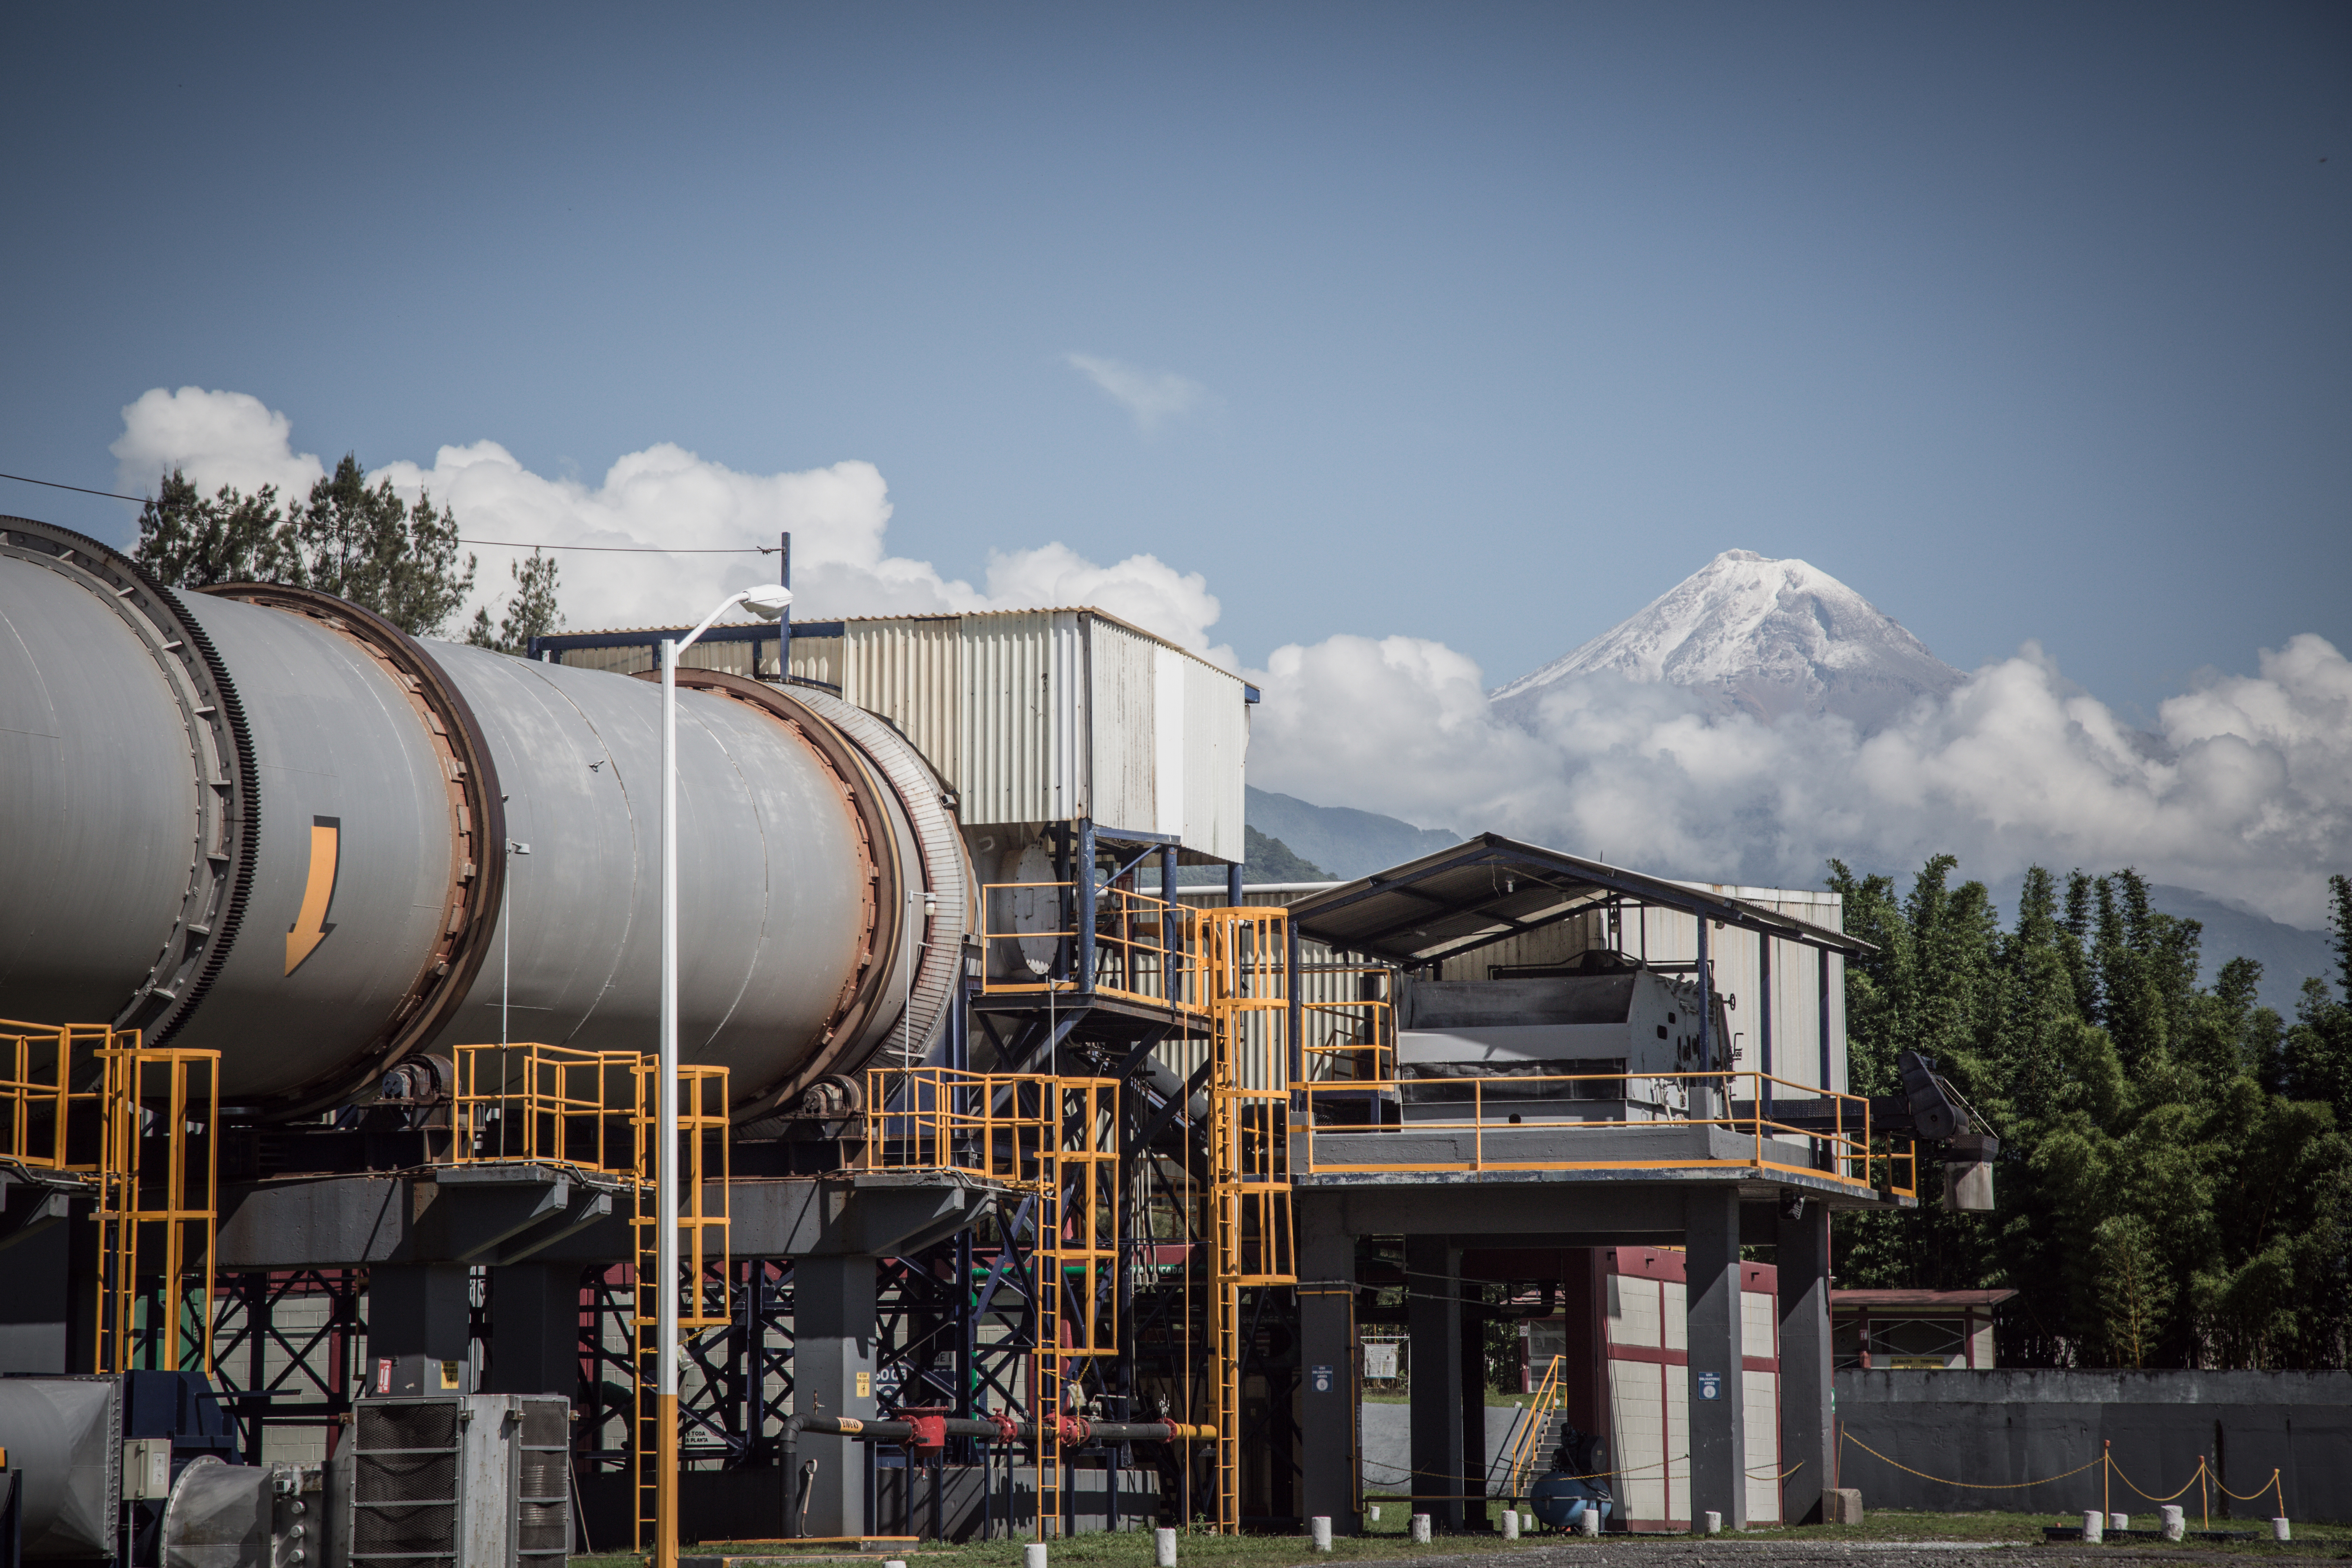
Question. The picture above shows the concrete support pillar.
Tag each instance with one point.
(1717, 1437)
(418, 1309)
(1328, 1402)
(534, 1329)
(1474, 1420)
(1803, 1257)
(1434, 1322)
(833, 1375)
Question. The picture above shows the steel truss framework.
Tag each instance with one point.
(271, 1372)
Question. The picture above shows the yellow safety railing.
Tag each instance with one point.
(1144, 949)
(1854, 1153)
(991, 1127)
(1351, 1040)
(159, 1205)
(52, 1092)
(548, 1105)
(1527, 1449)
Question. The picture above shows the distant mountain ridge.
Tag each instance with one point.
(1757, 635)
(1345, 842)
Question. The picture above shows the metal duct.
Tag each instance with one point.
(306, 814)
(64, 1437)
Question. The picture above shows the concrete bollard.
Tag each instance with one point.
(894, 1562)
(2094, 1526)
(2279, 1531)
(1713, 1523)
(1163, 1545)
(1588, 1522)
(2118, 1521)
(2176, 1521)
(1034, 1555)
(1320, 1528)
(1375, 1512)
(1420, 1528)
(1510, 1524)
(1526, 1524)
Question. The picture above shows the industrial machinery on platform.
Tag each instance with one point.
(329, 1087)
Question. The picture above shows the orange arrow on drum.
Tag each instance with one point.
(310, 928)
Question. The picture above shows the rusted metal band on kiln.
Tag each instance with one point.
(478, 822)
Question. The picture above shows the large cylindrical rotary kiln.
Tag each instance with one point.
(262, 820)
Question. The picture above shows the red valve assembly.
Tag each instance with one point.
(930, 1424)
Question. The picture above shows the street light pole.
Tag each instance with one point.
(768, 602)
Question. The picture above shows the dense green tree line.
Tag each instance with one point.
(356, 541)
(2174, 1185)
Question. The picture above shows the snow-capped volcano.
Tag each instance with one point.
(1762, 636)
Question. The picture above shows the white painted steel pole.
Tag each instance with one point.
(665, 1284)
(768, 602)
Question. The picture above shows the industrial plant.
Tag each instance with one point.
(830, 1082)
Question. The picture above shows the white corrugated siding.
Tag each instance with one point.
(1216, 744)
(1009, 689)
(1168, 720)
(1123, 690)
(906, 669)
(817, 659)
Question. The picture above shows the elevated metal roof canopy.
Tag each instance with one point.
(1493, 888)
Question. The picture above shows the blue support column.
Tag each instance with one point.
(1298, 1013)
(1705, 1000)
(1171, 982)
(1232, 886)
(1822, 954)
(1083, 868)
(1764, 1008)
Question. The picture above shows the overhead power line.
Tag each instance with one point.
(501, 543)
(82, 490)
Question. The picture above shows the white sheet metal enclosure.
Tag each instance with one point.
(344, 911)
(1041, 716)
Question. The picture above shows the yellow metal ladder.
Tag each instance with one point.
(703, 1154)
(1249, 1150)
(1077, 1257)
(159, 1205)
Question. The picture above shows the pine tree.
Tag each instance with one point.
(367, 545)
(191, 542)
(530, 612)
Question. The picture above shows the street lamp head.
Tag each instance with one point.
(767, 601)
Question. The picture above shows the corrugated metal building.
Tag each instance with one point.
(1029, 717)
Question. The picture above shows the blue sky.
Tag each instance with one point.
(1489, 323)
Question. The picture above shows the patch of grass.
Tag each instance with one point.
(1387, 1539)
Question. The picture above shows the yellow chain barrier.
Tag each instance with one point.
(2106, 1461)
(1970, 1486)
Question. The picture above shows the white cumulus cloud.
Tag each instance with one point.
(1150, 396)
(218, 438)
(667, 497)
(2243, 790)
